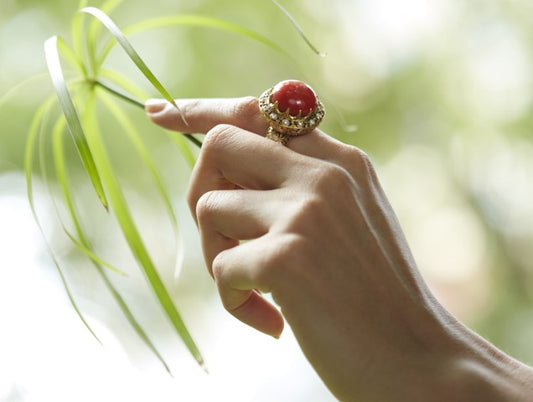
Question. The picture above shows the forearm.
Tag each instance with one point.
(468, 369)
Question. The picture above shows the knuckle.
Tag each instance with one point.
(217, 268)
(216, 139)
(206, 207)
(359, 161)
(331, 178)
(246, 107)
(280, 257)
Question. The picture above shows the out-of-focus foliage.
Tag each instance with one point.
(441, 93)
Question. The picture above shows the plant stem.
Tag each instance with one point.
(135, 102)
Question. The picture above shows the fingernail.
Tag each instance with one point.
(153, 106)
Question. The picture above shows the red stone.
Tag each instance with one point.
(295, 96)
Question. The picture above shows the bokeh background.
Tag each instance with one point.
(439, 93)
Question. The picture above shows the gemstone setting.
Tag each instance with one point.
(292, 108)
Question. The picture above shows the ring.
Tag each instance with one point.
(291, 108)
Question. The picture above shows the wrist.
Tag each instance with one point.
(466, 367)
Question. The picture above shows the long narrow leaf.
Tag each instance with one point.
(34, 131)
(70, 56)
(61, 174)
(180, 141)
(131, 131)
(73, 121)
(196, 21)
(94, 30)
(131, 233)
(135, 138)
(124, 82)
(298, 29)
(84, 245)
(130, 51)
(77, 34)
(12, 91)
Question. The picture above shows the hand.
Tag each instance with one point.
(321, 237)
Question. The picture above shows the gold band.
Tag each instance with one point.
(276, 136)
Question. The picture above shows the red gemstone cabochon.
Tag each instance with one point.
(295, 96)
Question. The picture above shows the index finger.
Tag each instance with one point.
(201, 115)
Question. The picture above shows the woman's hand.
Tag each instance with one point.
(321, 237)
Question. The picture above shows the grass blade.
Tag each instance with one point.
(126, 97)
(34, 131)
(131, 131)
(298, 29)
(131, 233)
(76, 32)
(94, 30)
(197, 21)
(130, 51)
(61, 174)
(70, 56)
(123, 82)
(12, 91)
(179, 140)
(84, 245)
(73, 121)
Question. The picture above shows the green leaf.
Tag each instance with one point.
(37, 124)
(61, 174)
(197, 21)
(135, 138)
(131, 233)
(71, 115)
(76, 32)
(94, 30)
(84, 245)
(130, 51)
(28, 81)
(123, 82)
(180, 141)
(298, 29)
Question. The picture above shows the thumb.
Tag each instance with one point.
(252, 309)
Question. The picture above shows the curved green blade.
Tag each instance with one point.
(84, 245)
(131, 233)
(94, 30)
(61, 174)
(201, 21)
(34, 131)
(73, 121)
(130, 51)
(298, 29)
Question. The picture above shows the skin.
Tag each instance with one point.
(322, 238)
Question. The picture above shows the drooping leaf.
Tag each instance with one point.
(94, 30)
(130, 51)
(298, 29)
(28, 81)
(61, 175)
(84, 245)
(131, 233)
(77, 34)
(196, 21)
(124, 82)
(135, 138)
(35, 130)
(71, 115)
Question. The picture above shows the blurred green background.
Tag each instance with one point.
(440, 95)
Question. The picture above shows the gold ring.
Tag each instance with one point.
(291, 108)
